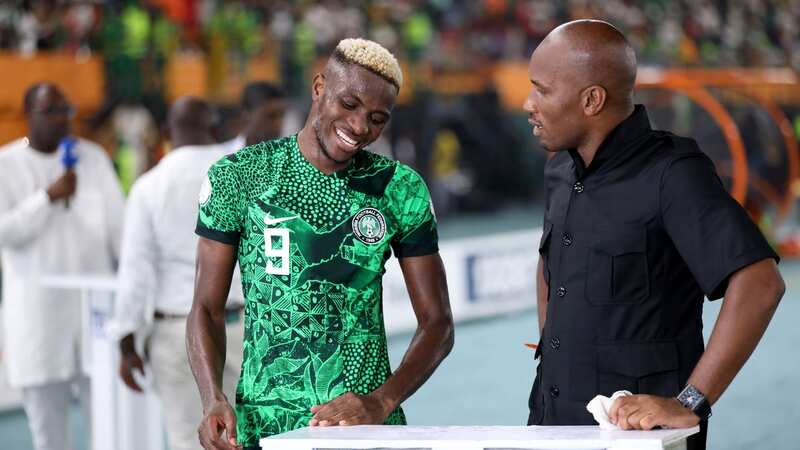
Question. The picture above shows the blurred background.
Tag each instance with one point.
(722, 72)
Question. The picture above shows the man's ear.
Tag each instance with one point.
(593, 99)
(317, 86)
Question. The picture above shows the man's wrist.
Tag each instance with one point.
(127, 346)
(695, 401)
(388, 402)
(213, 398)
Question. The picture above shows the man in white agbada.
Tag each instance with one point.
(53, 221)
(157, 273)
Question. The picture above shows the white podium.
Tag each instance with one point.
(476, 438)
(121, 419)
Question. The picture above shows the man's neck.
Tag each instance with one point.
(595, 137)
(311, 151)
(41, 147)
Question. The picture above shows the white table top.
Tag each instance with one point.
(564, 437)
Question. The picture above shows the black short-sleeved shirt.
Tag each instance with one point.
(631, 245)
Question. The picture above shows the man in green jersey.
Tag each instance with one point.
(312, 219)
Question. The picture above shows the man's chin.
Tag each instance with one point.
(337, 155)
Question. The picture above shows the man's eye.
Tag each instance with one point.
(348, 105)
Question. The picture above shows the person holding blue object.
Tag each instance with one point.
(41, 236)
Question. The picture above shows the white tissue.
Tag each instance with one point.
(599, 407)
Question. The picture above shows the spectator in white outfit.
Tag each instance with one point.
(264, 107)
(53, 221)
(157, 273)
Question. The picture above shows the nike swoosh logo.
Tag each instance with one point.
(269, 221)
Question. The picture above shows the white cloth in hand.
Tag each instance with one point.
(599, 407)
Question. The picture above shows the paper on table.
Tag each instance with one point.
(599, 407)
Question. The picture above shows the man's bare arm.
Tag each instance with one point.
(433, 340)
(205, 340)
(751, 299)
(541, 294)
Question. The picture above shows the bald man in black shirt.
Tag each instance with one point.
(638, 229)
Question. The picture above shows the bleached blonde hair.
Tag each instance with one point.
(371, 56)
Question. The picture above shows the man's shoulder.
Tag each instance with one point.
(670, 148)
(145, 183)
(255, 155)
(92, 149)
(192, 156)
(13, 148)
(405, 173)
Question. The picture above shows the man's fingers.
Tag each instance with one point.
(613, 412)
(326, 410)
(635, 419)
(330, 416)
(127, 376)
(649, 422)
(623, 414)
(216, 426)
(230, 426)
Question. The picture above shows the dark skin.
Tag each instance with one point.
(582, 76)
(48, 116)
(358, 104)
(339, 102)
(264, 122)
(189, 122)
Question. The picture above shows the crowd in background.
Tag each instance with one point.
(704, 32)
(438, 135)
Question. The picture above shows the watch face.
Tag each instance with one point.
(691, 398)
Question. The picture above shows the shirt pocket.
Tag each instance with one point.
(618, 271)
(640, 367)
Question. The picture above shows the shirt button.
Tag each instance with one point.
(555, 343)
(561, 291)
(566, 239)
(578, 187)
(554, 392)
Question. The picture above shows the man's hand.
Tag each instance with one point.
(127, 363)
(351, 409)
(218, 419)
(129, 360)
(63, 187)
(645, 412)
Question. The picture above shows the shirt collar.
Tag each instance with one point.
(618, 142)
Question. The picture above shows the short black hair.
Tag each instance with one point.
(258, 92)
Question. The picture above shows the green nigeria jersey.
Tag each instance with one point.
(312, 249)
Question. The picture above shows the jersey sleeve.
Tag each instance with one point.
(220, 207)
(417, 233)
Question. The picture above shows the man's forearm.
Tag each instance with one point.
(541, 295)
(750, 301)
(205, 343)
(431, 343)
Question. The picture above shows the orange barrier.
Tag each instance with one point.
(766, 87)
(759, 85)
